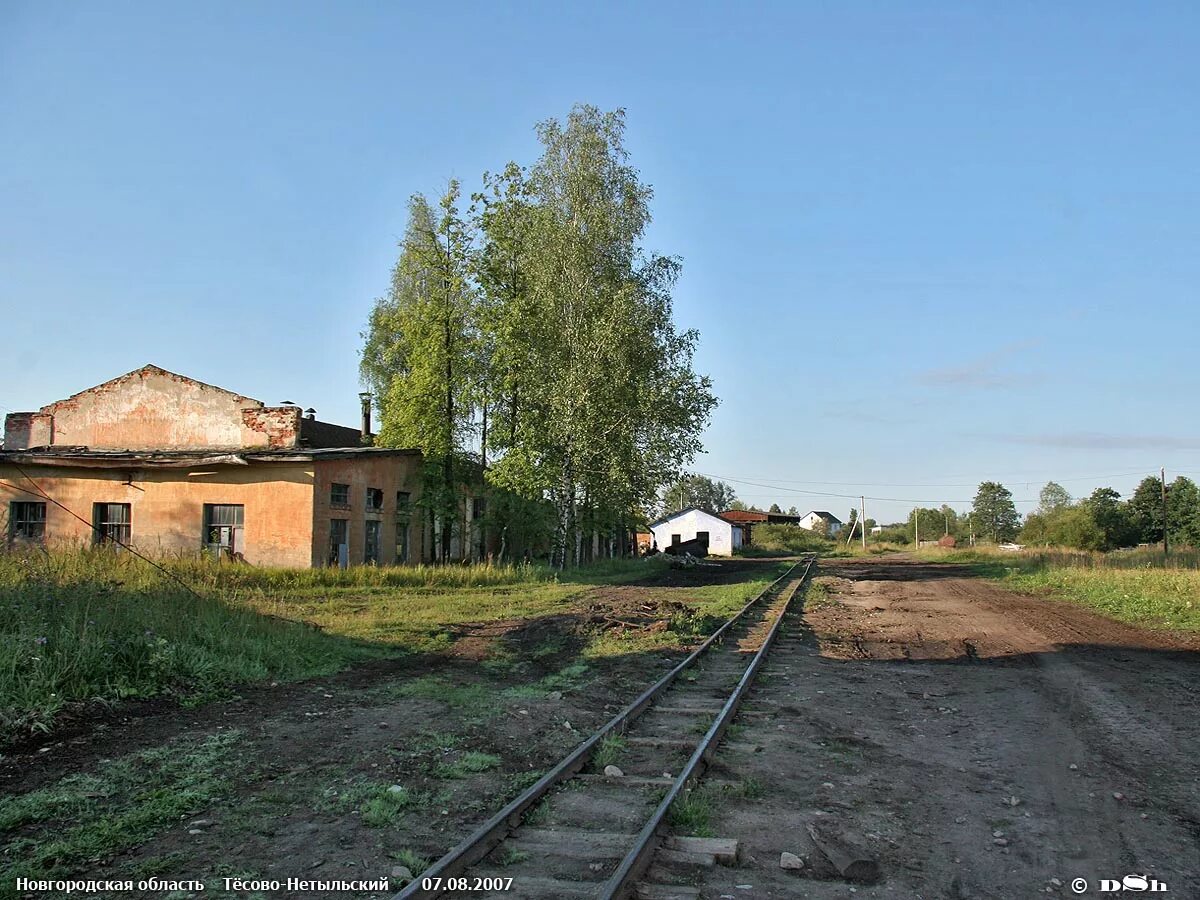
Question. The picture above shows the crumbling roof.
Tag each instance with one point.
(182, 459)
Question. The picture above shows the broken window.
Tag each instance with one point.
(27, 522)
(223, 524)
(402, 542)
(111, 523)
(338, 542)
(371, 545)
(339, 496)
(374, 499)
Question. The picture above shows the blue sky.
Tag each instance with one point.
(926, 244)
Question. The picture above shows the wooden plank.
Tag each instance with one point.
(680, 858)
(724, 850)
(853, 862)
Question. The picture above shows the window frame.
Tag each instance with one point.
(19, 525)
(372, 495)
(339, 495)
(236, 530)
(333, 557)
(103, 526)
(371, 548)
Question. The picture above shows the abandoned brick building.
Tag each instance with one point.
(171, 465)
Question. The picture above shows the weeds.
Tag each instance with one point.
(691, 814)
(470, 763)
(608, 751)
(414, 862)
(52, 831)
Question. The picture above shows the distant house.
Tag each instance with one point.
(720, 535)
(810, 520)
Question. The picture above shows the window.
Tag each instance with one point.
(223, 523)
(478, 507)
(374, 499)
(371, 546)
(403, 504)
(676, 538)
(402, 542)
(27, 522)
(339, 496)
(110, 523)
(338, 530)
(702, 537)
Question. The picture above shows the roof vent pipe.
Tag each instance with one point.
(365, 397)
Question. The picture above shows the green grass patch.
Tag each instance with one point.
(414, 862)
(97, 626)
(691, 814)
(608, 751)
(467, 764)
(52, 832)
(377, 804)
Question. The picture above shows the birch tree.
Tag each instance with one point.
(419, 355)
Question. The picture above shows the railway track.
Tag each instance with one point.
(580, 833)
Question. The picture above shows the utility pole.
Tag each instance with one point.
(1162, 474)
(916, 530)
(862, 517)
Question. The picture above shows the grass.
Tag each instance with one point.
(470, 763)
(608, 751)
(91, 625)
(691, 814)
(414, 862)
(1138, 586)
(377, 804)
(786, 540)
(53, 831)
(707, 607)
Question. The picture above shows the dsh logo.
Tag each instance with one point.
(1137, 883)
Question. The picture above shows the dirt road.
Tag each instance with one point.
(973, 742)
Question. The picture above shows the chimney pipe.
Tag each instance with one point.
(365, 397)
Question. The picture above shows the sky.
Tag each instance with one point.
(925, 244)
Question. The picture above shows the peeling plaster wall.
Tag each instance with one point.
(155, 409)
(390, 474)
(167, 506)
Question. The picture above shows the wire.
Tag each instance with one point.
(777, 487)
(40, 493)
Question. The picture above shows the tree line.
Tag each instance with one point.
(528, 336)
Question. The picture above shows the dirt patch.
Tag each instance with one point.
(971, 741)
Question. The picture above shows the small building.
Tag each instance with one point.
(721, 536)
(171, 466)
(810, 521)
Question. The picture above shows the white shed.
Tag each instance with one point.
(832, 522)
(693, 523)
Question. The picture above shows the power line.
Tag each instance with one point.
(37, 491)
(776, 487)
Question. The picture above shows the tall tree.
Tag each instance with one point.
(1053, 497)
(608, 401)
(1112, 517)
(775, 508)
(419, 356)
(697, 490)
(1146, 510)
(994, 513)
